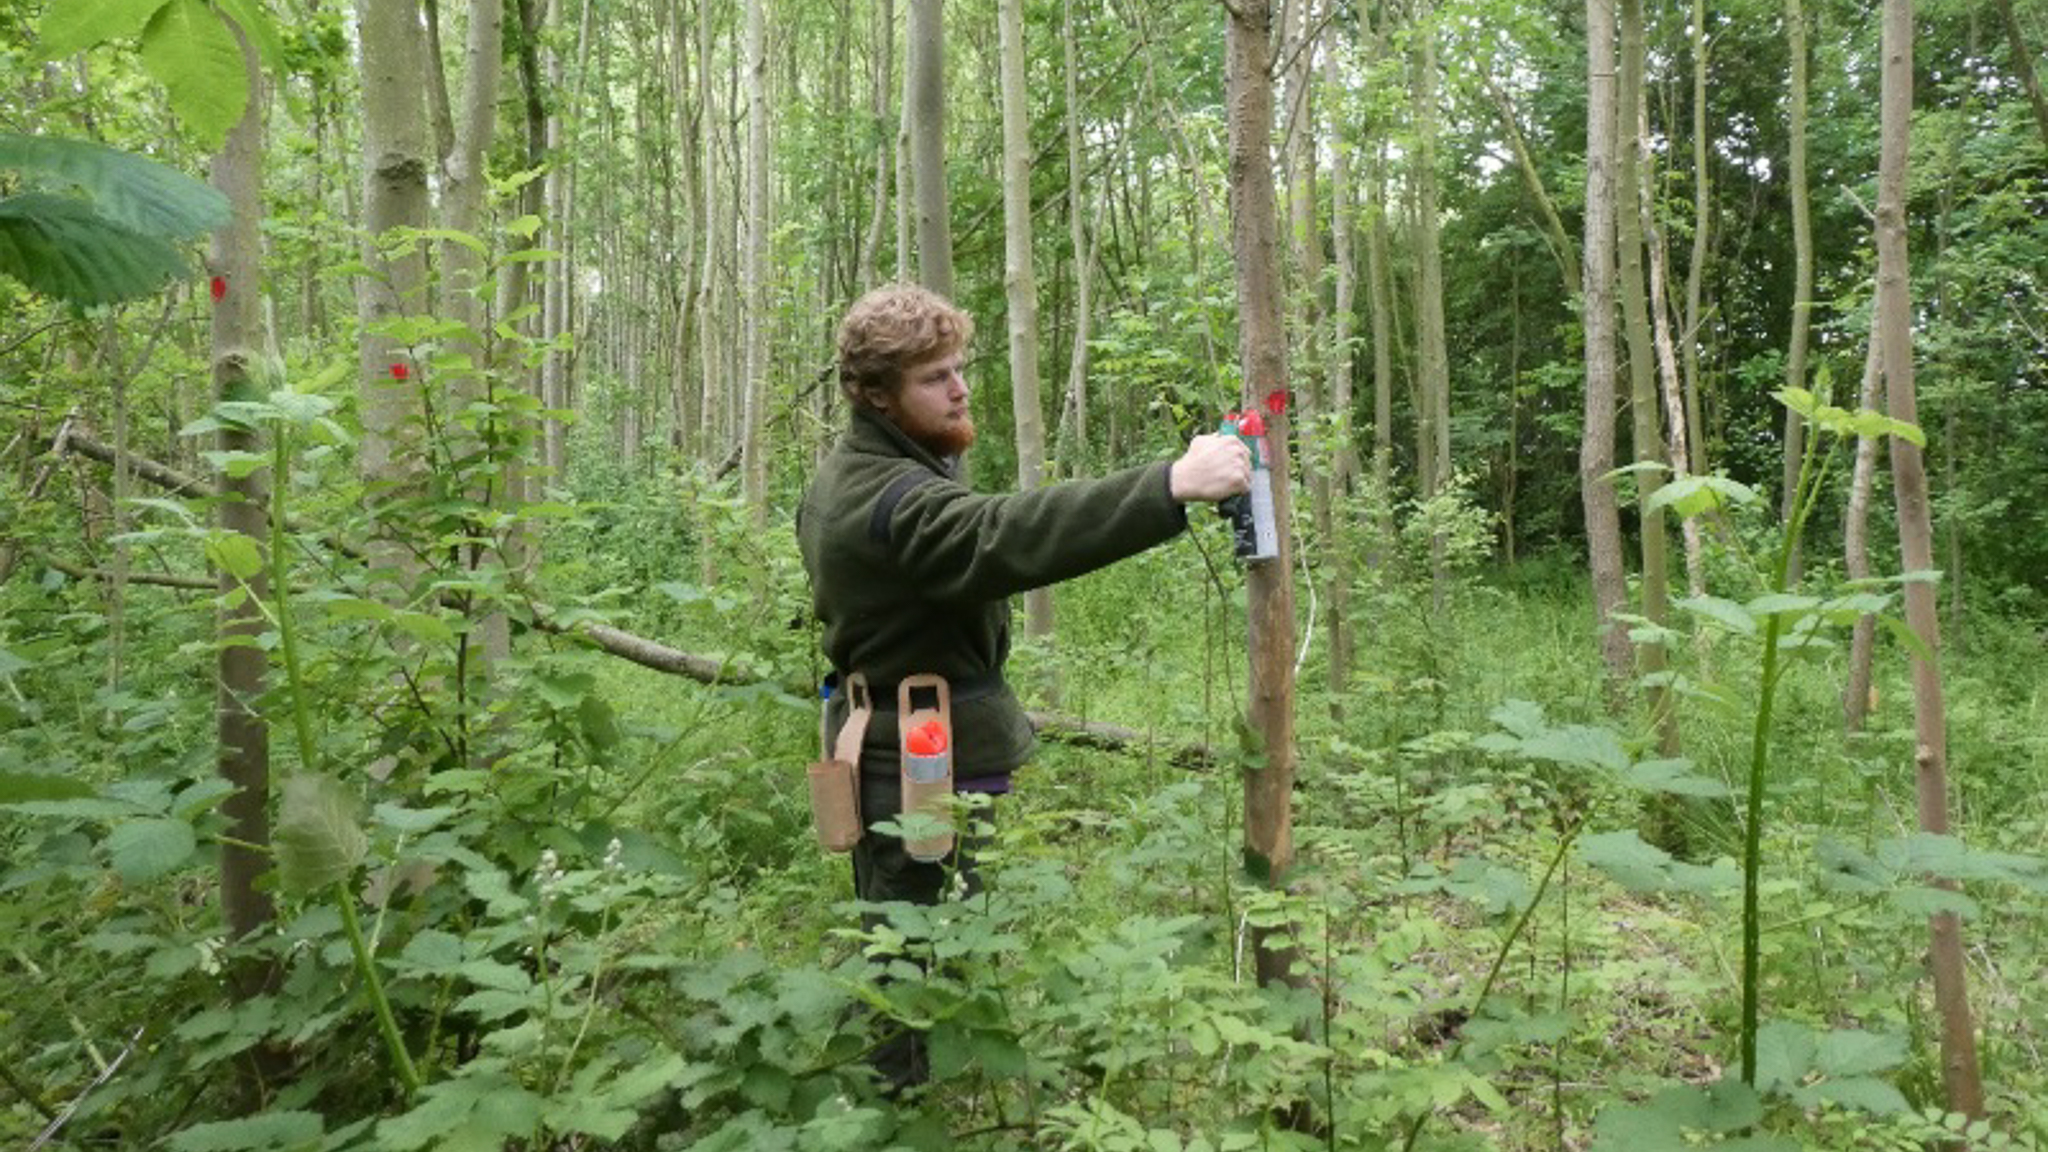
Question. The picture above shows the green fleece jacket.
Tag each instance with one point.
(911, 572)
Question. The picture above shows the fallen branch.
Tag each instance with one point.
(616, 641)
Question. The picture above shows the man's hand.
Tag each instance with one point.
(1215, 467)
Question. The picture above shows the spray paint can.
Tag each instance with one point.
(1255, 534)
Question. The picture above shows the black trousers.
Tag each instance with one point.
(883, 872)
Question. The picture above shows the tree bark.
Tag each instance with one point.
(395, 161)
(2023, 67)
(1433, 369)
(1020, 285)
(1696, 270)
(242, 734)
(1269, 788)
(1645, 436)
(1802, 269)
(754, 275)
(1072, 439)
(926, 104)
(1856, 703)
(1960, 1076)
(1344, 457)
(884, 72)
(1596, 446)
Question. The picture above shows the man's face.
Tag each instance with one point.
(931, 405)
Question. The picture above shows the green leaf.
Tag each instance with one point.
(479, 1110)
(235, 553)
(266, 1132)
(257, 26)
(142, 850)
(318, 840)
(1797, 399)
(190, 51)
(16, 787)
(1854, 1052)
(11, 664)
(1865, 1092)
(61, 248)
(1781, 604)
(1578, 744)
(1672, 776)
(1784, 1054)
(129, 191)
(77, 24)
(1641, 867)
(1727, 613)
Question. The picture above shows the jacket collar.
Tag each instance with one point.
(876, 435)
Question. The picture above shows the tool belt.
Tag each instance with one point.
(925, 757)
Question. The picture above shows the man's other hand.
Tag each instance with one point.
(1215, 467)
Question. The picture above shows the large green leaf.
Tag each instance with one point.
(74, 24)
(265, 1132)
(61, 248)
(19, 786)
(190, 51)
(142, 850)
(127, 190)
(319, 840)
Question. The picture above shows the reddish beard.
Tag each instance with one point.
(949, 436)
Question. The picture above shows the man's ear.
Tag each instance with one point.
(876, 398)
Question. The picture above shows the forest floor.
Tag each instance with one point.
(1420, 850)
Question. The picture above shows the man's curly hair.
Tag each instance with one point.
(892, 328)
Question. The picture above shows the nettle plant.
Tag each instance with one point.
(1790, 1061)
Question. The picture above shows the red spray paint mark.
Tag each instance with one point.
(400, 372)
(219, 288)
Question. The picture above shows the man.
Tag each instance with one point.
(911, 572)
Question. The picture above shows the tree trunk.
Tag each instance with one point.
(1596, 447)
(2023, 67)
(242, 734)
(884, 72)
(1020, 286)
(1856, 702)
(1344, 457)
(1802, 269)
(927, 109)
(1696, 271)
(1432, 368)
(1916, 548)
(1268, 790)
(1073, 430)
(1645, 435)
(395, 161)
(1380, 306)
(754, 275)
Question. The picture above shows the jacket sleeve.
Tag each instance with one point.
(959, 545)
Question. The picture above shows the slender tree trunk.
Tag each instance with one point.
(1802, 266)
(927, 107)
(1344, 458)
(1696, 271)
(1596, 447)
(2023, 67)
(1268, 792)
(1559, 241)
(1072, 440)
(754, 276)
(1380, 306)
(1856, 702)
(1646, 438)
(243, 738)
(1964, 1086)
(1433, 369)
(395, 162)
(1020, 285)
(884, 73)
